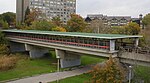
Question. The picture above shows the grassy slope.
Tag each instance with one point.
(142, 73)
(27, 67)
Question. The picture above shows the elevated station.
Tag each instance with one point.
(69, 46)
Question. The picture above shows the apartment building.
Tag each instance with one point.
(110, 20)
(49, 8)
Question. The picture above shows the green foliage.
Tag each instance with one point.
(22, 26)
(3, 44)
(118, 30)
(4, 24)
(42, 25)
(76, 23)
(132, 29)
(3, 40)
(9, 17)
(108, 73)
(146, 20)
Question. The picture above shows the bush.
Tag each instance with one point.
(4, 49)
(7, 62)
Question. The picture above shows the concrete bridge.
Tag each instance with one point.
(69, 46)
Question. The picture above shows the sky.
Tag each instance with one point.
(107, 7)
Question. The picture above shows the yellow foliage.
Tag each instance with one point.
(61, 29)
(110, 72)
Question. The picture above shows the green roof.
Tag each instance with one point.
(76, 34)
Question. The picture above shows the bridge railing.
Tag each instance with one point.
(138, 50)
(59, 41)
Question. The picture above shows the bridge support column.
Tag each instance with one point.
(112, 45)
(35, 51)
(68, 59)
(136, 42)
(17, 47)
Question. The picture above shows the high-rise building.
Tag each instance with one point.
(21, 7)
(49, 8)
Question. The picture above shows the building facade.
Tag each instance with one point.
(49, 8)
(110, 20)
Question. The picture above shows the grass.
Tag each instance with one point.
(142, 73)
(75, 79)
(89, 59)
(27, 67)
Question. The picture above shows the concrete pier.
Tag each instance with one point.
(68, 59)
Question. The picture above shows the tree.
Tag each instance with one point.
(145, 40)
(97, 26)
(9, 17)
(110, 72)
(42, 25)
(132, 28)
(61, 29)
(3, 44)
(146, 20)
(118, 30)
(32, 16)
(76, 23)
(57, 21)
(4, 24)
(27, 12)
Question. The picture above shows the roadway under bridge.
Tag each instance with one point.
(69, 46)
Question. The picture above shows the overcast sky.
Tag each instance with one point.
(107, 7)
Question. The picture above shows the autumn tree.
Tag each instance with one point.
(146, 20)
(60, 29)
(76, 23)
(32, 16)
(110, 72)
(27, 12)
(132, 28)
(57, 21)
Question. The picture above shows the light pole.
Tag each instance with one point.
(130, 73)
(58, 68)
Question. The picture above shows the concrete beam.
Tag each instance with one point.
(68, 59)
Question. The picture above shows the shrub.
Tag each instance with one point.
(4, 49)
(7, 62)
(110, 72)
